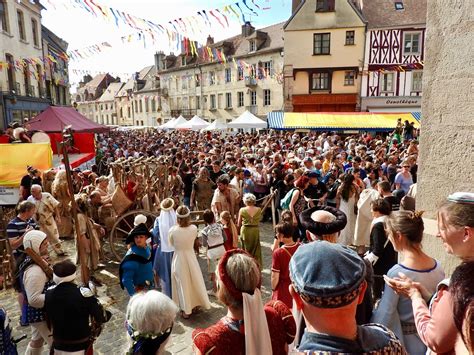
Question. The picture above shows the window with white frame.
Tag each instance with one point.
(240, 99)
(267, 97)
(228, 75)
(228, 100)
(252, 46)
(416, 80)
(212, 105)
(253, 98)
(387, 82)
(267, 68)
(411, 43)
(349, 77)
(240, 73)
(212, 78)
(320, 81)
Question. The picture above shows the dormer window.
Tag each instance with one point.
(252, 46)
(325, 5)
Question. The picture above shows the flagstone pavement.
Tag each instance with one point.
(114, 338)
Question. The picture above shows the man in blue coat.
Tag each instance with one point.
(136, 270)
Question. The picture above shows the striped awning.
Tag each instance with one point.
(363, 121)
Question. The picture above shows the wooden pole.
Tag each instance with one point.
(82, 256)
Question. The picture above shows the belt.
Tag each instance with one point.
(408, 328)
(214, 246)
(70, 342)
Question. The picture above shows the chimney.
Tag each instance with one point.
(295, 4)
(210, 41)
(160, 61)
(247, 29)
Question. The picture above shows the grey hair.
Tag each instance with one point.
(151, 312)
(36, 187)
(249, 199)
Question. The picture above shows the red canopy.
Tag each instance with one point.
(55, 119)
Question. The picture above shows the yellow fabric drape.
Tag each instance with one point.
(14, 158)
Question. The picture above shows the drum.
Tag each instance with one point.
(40, 137)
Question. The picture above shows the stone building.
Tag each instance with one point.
(56, 74)
(138, 101)
(146, 99)
(248, 79)
(106, 107)
(324, 55)
(88, 93)
(21, 57)
(394, 55)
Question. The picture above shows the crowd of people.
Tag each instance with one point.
(344, 213)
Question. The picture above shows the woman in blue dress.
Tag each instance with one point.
(405, 231)
(164, 251)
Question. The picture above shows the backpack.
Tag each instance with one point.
(285, 201)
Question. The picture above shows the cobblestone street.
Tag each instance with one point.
(114, 338)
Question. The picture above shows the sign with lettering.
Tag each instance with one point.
(9, 195)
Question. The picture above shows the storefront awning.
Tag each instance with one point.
(363, 121)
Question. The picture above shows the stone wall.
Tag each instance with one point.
(446, 161)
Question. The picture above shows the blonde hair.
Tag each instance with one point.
(244, 273)
(226, 217)
(249, 199)
(183, 221)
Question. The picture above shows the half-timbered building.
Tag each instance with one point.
(394, 55)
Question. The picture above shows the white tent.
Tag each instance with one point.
(180, 120)
(196, 123)
(248, 120)
(216, 126)
(168, 124)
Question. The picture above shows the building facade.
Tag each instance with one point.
(106, 106)
(56, 75)
(248, 79)
(394, 53)
(324, 55)
(22, 82)
(85, 100)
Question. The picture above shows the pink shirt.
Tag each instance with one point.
(436, 328)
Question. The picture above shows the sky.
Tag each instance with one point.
(128, 55)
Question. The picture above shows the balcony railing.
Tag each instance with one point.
(252, 109)
(186, 113)
(249, 81)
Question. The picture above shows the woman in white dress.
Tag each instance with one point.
(187, 282)
(346, 200)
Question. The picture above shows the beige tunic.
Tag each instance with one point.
(45, 215)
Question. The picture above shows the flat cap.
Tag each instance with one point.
(327, 275)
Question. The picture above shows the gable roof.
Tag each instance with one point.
(111, 91)
(303, 3)
(382, 13)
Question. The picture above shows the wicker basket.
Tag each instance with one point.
(120, 201)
